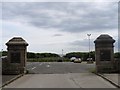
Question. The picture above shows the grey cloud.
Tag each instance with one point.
(81, 43)
(56, 35)
(84, 44)
(0, 10)
(68, 17)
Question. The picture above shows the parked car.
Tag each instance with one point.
(89, 60)
(78, 60)
(72, 59)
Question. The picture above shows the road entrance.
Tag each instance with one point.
(59, 75)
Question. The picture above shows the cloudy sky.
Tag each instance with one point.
(53, 26)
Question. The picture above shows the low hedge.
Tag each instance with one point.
(50, 59)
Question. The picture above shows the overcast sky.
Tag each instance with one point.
(53, 26)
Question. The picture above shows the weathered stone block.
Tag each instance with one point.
(16, 58)
(104, 53)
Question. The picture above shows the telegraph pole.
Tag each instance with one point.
(62, 54)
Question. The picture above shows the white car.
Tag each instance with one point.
(72, 59)
(89, 60)
(78, 60)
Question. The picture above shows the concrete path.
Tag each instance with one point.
(6, 78)
(70, 80)
(113, 78)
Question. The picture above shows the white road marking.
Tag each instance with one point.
(33, 68)
(40, 64)
(47, 65)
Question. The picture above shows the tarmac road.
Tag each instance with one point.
(59, 67)
(60, 75)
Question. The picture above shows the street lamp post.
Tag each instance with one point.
(62, 54)
(89, 43)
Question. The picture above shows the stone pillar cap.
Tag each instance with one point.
(17, 41)
(104, 38)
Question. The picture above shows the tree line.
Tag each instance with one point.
(82, 55)
(41, 55)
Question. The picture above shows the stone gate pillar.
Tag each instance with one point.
(104, 53)
(16, 58)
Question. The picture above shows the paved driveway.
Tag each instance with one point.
(60, 75)
(71, 80)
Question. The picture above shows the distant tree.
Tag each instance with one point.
(117, 55)
(82, 55)
(48, 55)
(41, 55)
(92, 55)
(37, 55)
(74, 54)
(85, 56)
(30, 55)
(4, 53)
